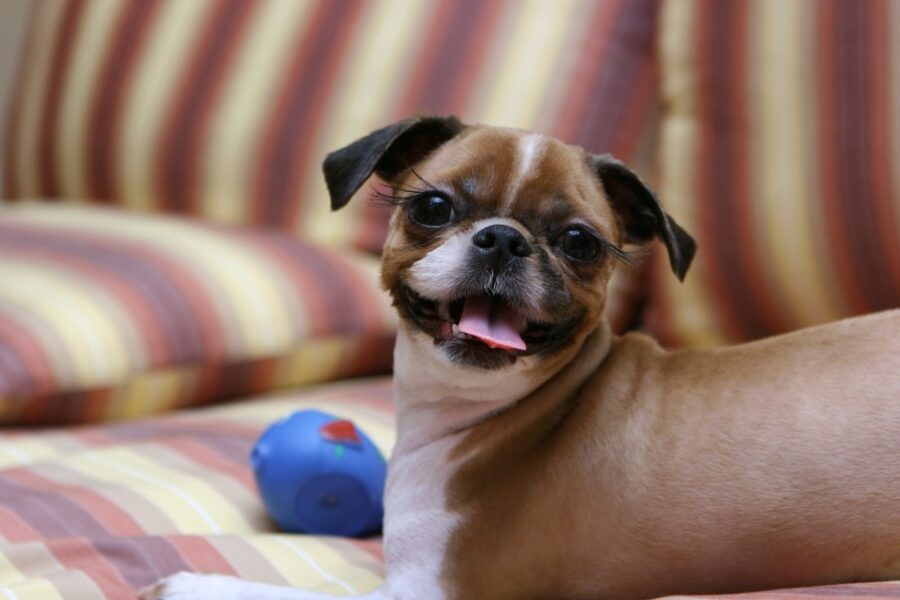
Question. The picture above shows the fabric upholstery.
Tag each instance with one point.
(106, 314)
(97, 512)
(224, 109)
(779, 152)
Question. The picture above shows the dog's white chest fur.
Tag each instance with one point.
(417, 525)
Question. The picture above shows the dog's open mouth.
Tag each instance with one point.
(489, 326)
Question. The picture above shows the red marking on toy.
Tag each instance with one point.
(340, 431)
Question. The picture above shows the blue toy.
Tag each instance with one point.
(319, 474)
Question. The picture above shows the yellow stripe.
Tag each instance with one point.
(691, 309)
(780, 62)
(89, 51)
(193, 506)
(17, 451)
(151, 94)
(309, 563)
(244, 109)
(9, 574)
(32, 589)
(153, 393)
(523, 72)
(41, 45)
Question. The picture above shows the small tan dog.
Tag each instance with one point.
(540, 457)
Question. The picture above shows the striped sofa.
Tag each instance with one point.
(166, 244)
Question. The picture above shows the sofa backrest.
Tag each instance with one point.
(224, 109)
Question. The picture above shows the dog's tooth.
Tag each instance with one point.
(455, 328)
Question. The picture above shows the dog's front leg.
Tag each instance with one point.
(191, 586)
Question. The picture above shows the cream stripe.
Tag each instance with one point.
(779, 58)
(308, 559)
(150, 95)
(691, 308)
(9, 573)
(238, 124)
(89, 51)
(47, 19)
(375, 69)
(527, 63)
(36, 448)
(321, 562)
(34, 589)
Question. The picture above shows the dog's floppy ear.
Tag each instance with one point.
(641, 214)
(386, 152)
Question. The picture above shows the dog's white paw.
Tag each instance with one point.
(190, 586)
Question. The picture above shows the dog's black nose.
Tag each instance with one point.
(503, 241)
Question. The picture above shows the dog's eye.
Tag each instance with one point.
(430, 211)
(579, 244)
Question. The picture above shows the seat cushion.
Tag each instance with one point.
(97, 512)
(781, 154)
(108, 314)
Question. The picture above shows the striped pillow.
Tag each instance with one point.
(780, 149)
(106, 314)
(223, 109)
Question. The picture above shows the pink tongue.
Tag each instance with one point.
(494, 323)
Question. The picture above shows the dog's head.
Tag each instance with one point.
(501, 241)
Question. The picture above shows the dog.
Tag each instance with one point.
(539, 456)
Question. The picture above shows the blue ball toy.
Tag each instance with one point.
(320, 474)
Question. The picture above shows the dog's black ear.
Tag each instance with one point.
(641, 214)
(385, 152)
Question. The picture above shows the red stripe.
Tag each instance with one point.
(428, 53)
(48, 180)
(107, 513)
(12, 188)
(299, 110)
(201, 555)
(630, 44)
(828, 151)
(880, 163)
(180, 152)
(639, 103)
(592, 54)
(105, 115)
(35, 373)
(461, 55)
(15, 529)
(211, 462)
(727, 226)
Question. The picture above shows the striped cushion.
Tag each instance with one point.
(106, 314)
(96, 513)
(224, 109)
(781, 154)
